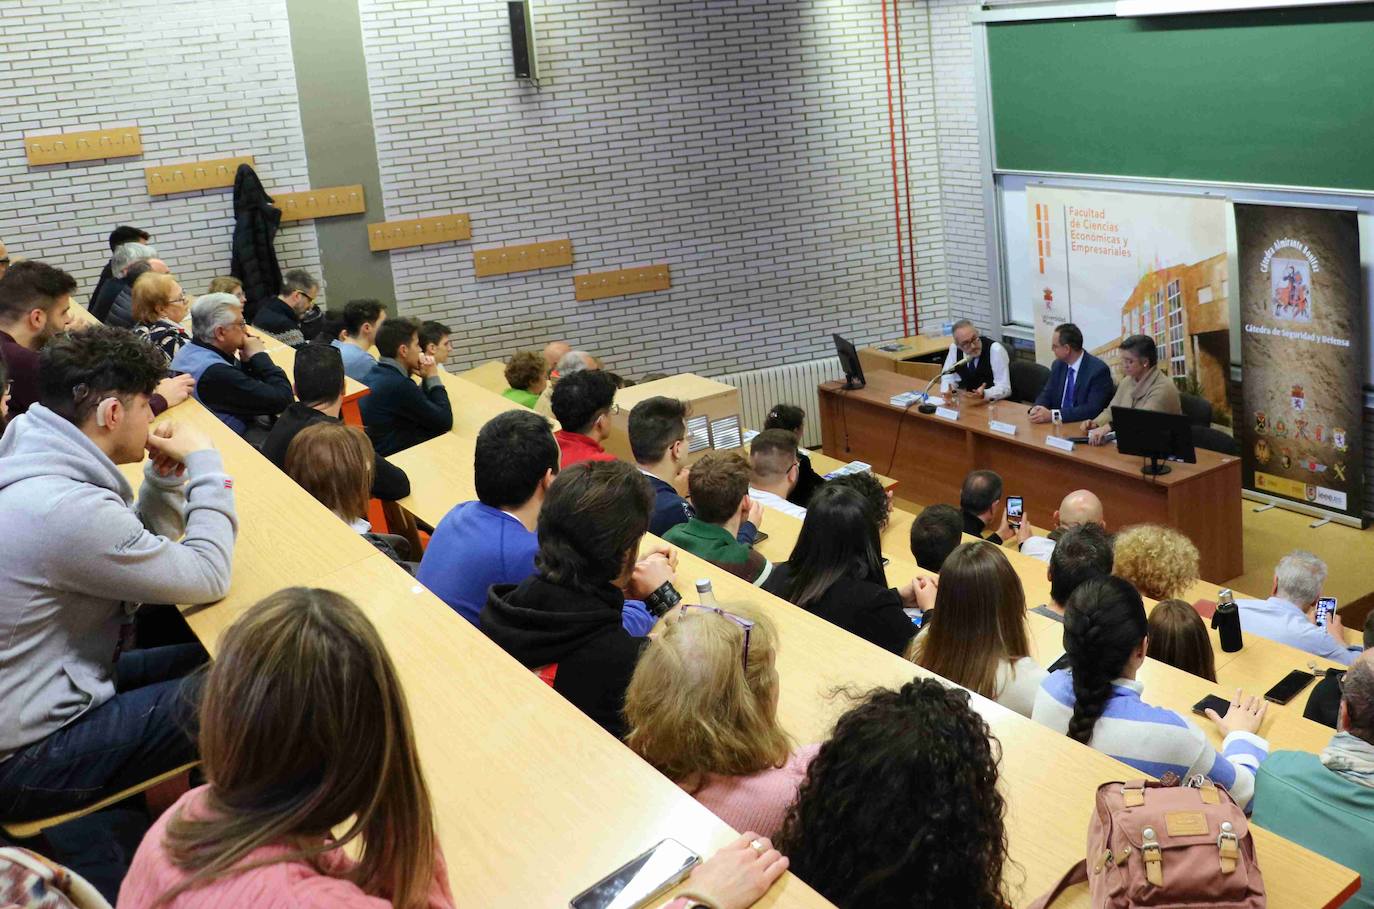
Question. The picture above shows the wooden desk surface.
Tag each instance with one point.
(472, 406)
(913, 346)
(490, 375)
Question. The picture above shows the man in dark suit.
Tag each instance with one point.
(1080, 384)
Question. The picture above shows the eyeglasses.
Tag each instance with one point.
(969, 344)
(5, 260)
(746, 624)
(307, 296)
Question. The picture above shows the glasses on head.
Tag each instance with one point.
(743, 623)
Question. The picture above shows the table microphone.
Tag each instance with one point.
(927, 407)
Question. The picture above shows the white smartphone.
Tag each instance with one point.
(641, 879)
(1057, 417)
(1326, 607)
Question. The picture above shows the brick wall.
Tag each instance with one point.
(742, 141)
(202, 79)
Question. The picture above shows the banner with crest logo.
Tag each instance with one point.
(1302, 353)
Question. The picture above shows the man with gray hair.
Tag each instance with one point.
(292, 316)
(978, 366)
(121, 282)
(235, 378)
(569, 363)
(1326, 802)
(1289, 615)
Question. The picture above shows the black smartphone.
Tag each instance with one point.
(1219, 704)
(640, 879)
(1061, 663)
(760, 536)
(1326, 608)
(1289, 686)
(1015, 509)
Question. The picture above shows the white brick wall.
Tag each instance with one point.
(743, 141)
(201, 78)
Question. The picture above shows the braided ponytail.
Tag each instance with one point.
(1104, 622)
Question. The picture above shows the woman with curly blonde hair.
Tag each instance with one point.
(1160, 561)
(702, 708)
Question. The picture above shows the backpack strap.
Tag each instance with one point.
(1078, 874)
(1133, 793)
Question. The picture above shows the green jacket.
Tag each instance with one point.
(715, 544)
(1301, 800)
(521, 397)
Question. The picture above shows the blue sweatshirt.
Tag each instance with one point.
(474, 547)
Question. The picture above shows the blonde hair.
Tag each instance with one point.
(1158, 560)
(334, 462)
(225, 285)
(298, 677)
(693, 707)
(152, 291)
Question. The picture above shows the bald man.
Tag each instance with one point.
(1078, 508)
(555, 351)
(1326, 801)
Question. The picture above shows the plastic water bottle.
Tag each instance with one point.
(1226, 620)
(705, 595)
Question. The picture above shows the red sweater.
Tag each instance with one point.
(577, 447)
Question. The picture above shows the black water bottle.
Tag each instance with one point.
(1226, 620)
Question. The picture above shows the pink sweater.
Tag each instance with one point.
(283, 885)
(757, 802)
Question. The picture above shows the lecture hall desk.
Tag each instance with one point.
(930, 456)
(1049, 780)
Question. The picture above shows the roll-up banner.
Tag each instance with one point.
(1302, 352)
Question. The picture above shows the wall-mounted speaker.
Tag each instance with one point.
(522, 49)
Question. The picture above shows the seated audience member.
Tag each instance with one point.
(553, 352)
(1326, 802)
(125, 255)
(1080, 384)
(1178, 636)
(1078, 507)
(836, 572)
(565, 621)
(793, 419)
(397, 412)
(702, 708)
(4, 259)
(118, 237)
(526, 378)
(282, 777)
(82, 716)
(35, 305)
(1144, 387)
(937, 760)
(1097, 700)
(292, 316)
(976, 636)
(1160, 562)
(332, 325)
(434, 341)
(658, 440)
(319, 385)
(1289, 615)
(1082, 553)
(159, 308)
(235, 378)
(227, 285)
(653, 377)
(583, 403)
(868, 486)
(773, 471)
(574, 361)
(719, 484)
(987, 374)
(335, 463)
(935, 533)
(4, 395)
(121, 314)
(361, 321)
(492, 540)
(1325, 700)
(980, 500)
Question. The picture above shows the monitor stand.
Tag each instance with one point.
(1154, 468)
(852, 383)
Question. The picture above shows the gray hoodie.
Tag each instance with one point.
(77, 558)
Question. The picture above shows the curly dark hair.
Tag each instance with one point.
(78, 369)
(873, 492)
(1104, 622)
(922, 748)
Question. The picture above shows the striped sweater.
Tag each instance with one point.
(1155, 740)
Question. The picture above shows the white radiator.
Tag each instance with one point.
(794, 383)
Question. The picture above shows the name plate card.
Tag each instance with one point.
(1004, 428)
(946, 413)
(1061, 443)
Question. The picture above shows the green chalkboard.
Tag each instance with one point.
(1282, 97)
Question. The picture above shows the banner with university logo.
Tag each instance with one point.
(1120, 263)
(1302, 350)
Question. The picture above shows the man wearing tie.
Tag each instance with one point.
(1080, 384)
(987, 374)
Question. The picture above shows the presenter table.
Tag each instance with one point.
(930, 456)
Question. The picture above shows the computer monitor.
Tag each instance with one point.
(1153, 435)
(849, 360)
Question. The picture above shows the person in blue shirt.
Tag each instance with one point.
(1289, 615)
(658, 440)
(1080, 385)
(362, 319)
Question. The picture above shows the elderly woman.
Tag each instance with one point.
(159, 308)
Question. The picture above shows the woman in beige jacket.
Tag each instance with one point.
(1143, 388)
